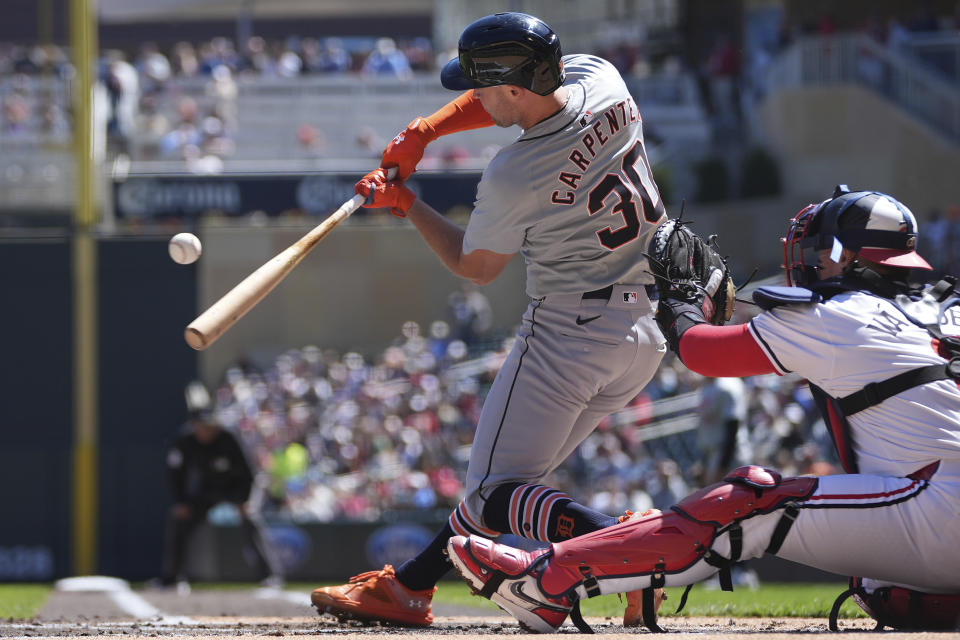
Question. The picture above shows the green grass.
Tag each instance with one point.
(802, 600)
(21, 601)
(795, 600)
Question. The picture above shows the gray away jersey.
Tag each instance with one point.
(573, 194)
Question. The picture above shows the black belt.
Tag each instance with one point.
(599, 294)
(607, 291)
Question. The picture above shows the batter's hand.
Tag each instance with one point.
(381, 192)
(406, 150)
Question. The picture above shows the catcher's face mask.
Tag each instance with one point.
(872, 224)
(802, 270)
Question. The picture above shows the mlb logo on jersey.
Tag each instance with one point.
(630, 297)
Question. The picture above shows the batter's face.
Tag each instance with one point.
(501, 102)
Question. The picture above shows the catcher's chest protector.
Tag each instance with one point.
(667, 543)
(937, 310)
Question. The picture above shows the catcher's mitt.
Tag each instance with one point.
(690, 270)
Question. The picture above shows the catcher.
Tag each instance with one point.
(881, 359)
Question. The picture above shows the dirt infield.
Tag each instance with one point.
(276, 613)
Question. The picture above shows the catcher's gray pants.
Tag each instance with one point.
(575, 361)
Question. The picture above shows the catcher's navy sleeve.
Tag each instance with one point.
(723, 352)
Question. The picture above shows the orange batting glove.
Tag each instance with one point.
(406, 150)
(382, 193)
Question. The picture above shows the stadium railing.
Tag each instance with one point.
(939, 50)
(858, 59)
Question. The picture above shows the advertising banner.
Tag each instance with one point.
(148, 197)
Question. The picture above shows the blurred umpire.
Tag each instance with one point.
(207, 467)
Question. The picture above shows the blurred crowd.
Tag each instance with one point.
(133, 84)
(290, 57)
(204, 127)
(33, 98)
(145, 97)
(343, 436)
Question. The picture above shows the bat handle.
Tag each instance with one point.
(391, 174)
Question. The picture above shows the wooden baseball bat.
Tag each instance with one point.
(222, 314)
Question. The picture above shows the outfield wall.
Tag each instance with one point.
(143, 367)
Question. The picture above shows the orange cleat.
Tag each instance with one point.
(376, 596)
(633, 614)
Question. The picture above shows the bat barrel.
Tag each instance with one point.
(195, 338)
(213, 322)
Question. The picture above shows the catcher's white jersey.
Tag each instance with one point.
(856, 338)
(574, 193)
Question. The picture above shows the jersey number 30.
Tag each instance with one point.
(626, 207)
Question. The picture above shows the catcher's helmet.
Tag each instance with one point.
(506, 48)
(874, 225)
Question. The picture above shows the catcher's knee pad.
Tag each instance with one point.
(661, 544)
(902, 608)
(745, 491)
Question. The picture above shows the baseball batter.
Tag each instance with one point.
(877, 354)
(574, 195)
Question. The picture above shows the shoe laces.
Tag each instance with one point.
(627, 514)
(372, 577)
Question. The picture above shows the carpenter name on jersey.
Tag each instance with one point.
(598, 131)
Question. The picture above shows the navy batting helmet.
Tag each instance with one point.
(875, 225)
(506, 48)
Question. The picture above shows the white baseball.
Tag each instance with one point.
(185, 248)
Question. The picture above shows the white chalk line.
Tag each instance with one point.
(135, 606)
(293, 597)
